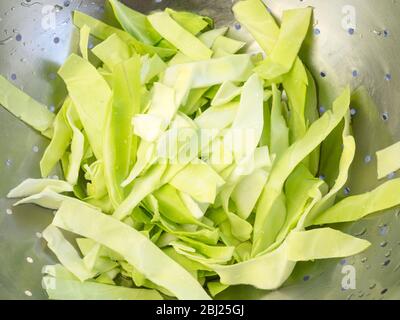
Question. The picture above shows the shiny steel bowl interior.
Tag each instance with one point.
(351, 41)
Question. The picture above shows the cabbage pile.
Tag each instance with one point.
(191, 159)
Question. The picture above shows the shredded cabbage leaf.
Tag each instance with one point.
(25, 108)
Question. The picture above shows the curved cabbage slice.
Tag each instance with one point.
(67, 289)
(322, 243)
(30, 187)
(356, 207)
(269, 271)
(346, 159)
(60, 140)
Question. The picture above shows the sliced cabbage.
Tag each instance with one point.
(65, 289)
(83, 83)
(182, 39)
(226, 93)
(192, 22)
(102, 31)
(47, 199)
(135, 247)
(191, 160)
(272, 194)
(66, 253)
(30, 187)
(295, 24)
(346, 160)
(279, 134)
(135, 23)
(141, 188)
(388, 160)
(198, 180)
(61, 139)
(254, 16)
(356, 207)
(119, 142)
(77, 146)
(209, 37)
(25, 108)
(323, 243)
(84, 41)
(212, 72)
(113, 51)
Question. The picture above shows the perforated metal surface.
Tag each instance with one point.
(352, 41)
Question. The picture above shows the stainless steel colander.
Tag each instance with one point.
(352, 41)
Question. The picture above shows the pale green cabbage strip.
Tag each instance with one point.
(388, 160)
(25, 108)
(182, 39)
(190, 164)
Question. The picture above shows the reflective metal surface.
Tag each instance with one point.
(352, 41)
